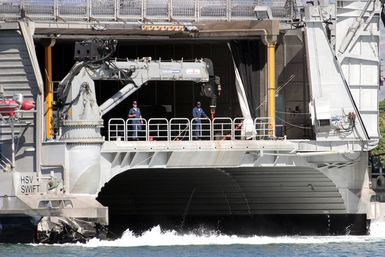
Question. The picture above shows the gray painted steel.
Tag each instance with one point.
(17, 76)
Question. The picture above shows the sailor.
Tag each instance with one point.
(136, 120)
(198, 113)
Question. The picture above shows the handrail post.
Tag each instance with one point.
(232, 132)
(228, 10)
(116, 9)
(124, 130)
(56, 9)
(147, 127)
(168, 131)
(144, 7)
(22, 7)
(170, 9)
(109, 130)
(198, 11)
(89, 10)
(210, 130)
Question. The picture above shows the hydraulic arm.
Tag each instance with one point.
(76, 94)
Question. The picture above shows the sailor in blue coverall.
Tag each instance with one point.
(136, 116)
(198, 113)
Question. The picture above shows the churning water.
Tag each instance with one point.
(157, 243)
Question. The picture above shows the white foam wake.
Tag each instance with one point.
(377, 228)
(155, 237)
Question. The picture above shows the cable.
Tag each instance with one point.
(83, 87)
(277, 90)
(299, 113)
(293, 125)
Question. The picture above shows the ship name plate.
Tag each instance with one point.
(28, 184)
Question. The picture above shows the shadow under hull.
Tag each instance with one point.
(17, 229)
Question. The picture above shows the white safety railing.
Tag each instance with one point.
(213, 9)
(262, 130)
(73, 10)
(201, 129)
(130, 10)
(103, 10)
(180, 129)
(184, 10)
(10, 8)
(243, 129)
(135, 10)
(183, 129)
(136, 129)
(117, 129)
(222, 129)
(242, 8)
(38, 9)
(158, 129)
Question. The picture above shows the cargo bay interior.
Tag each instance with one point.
(169, 99)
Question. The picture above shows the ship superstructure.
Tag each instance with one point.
(290, 90)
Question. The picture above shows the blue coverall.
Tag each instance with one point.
(135, 122)
(198, 113)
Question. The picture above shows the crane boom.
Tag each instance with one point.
(76, 91)
(145, 70)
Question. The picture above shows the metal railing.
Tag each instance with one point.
(222, 128)
(158, 129)
(136, 129)
(179, 129)
(134, 10)
(117, 129)
(183, 129)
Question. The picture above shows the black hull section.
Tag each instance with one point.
(268, 225)
(244, 201)
(17, 229)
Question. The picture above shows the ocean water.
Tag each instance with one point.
(156, 243)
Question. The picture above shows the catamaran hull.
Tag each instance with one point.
(17, 229)
(248, 201)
